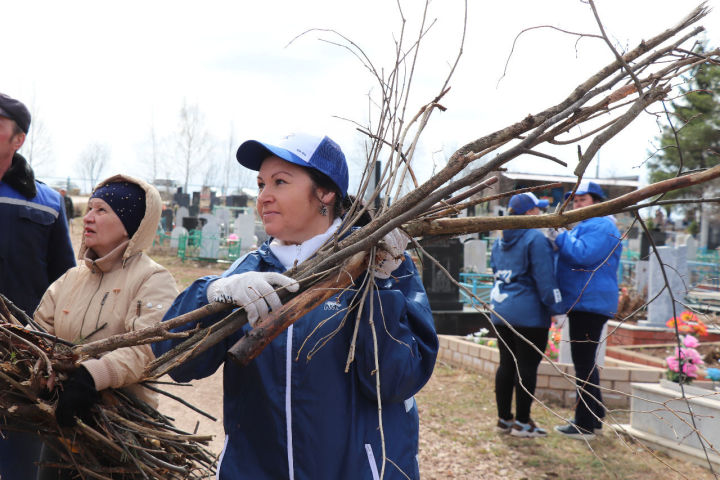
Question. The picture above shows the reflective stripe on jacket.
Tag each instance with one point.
(35, 248)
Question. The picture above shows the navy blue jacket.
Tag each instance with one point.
(293, 412)
(35, 247)
(588, 259)
(525, 293)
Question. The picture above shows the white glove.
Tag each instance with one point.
(254, 291)
(390, 258)
(551, 234)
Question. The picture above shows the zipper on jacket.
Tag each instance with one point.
(102, 305)
(97, 289)
(99, 327)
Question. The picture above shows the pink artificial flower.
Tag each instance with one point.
(690, 370)
(690, 341)
(691, 355)
(673, 363)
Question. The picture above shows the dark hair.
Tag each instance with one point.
(341, 204)
(321, 180)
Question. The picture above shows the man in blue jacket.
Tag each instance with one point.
(588, 259)
(35, 250)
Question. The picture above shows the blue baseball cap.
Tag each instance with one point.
(587, 186)
(523, 202)
(319, 153)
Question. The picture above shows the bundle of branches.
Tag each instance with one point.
(124, 438)
(602, 106)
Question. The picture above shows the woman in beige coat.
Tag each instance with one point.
(116, 288)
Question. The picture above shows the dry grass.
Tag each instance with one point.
(458, 440)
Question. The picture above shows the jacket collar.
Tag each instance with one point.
(113, 260)
(21, 177)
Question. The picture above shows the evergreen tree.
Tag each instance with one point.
(695, 115)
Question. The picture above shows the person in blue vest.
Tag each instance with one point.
(588, 256)
(295, 412)
(35, 250)
(524, 298)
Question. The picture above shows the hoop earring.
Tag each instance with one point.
(323, 210)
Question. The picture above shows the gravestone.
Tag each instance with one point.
(658, 237)
(442, 293)
(660, 309)
(691, 244)
(210, 244)
(475, 256)
(244, 228)
(641, 276)
(191, 223)
(223, 216)
(177, 232)
(181, 213)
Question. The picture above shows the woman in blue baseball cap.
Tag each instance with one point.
(524, 298)
(297, 411)
(588, 259)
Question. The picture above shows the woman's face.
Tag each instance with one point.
(103, 229)
(533, 211)
(288, 204)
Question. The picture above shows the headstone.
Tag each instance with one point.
(210, 244)
(223, 216)
(691, 244)
(442, 293)
(658, 237)
(660, 309)
(181, 213)
(244, 228)
(176, 234)
(475, 254)
(641, 275)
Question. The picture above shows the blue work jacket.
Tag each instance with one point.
(588, 259)
(525, 293)
(293, 412)
(35, 248)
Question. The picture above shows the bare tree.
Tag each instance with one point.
(93, 161)
(193, 141)
(38, 145)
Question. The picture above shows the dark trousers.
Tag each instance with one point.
(19, 453)
(585, 331)
(509, 376)
(48, 455)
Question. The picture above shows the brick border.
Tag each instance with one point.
(553, 383)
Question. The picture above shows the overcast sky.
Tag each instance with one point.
(108, 72)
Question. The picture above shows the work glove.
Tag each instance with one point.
(254, 291)
(77, 397)
(391, 254)
(551, 234)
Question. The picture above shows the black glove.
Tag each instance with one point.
(76, 398)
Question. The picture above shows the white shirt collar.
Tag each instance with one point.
(289, 254)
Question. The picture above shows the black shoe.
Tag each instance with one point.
(574, 431)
